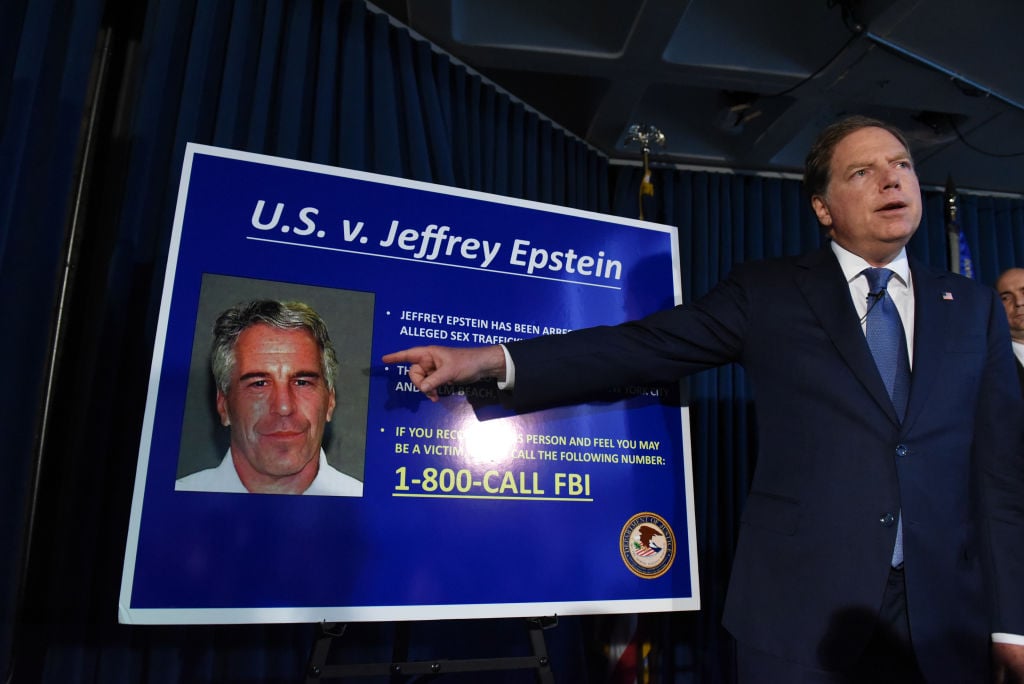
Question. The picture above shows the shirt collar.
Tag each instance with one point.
(854, 265)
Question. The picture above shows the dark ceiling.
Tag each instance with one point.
(747, 84)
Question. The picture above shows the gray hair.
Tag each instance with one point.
(283, 315)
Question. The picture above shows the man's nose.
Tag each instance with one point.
(283, 401)
(891, 179)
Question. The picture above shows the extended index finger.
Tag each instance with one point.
(403, 356)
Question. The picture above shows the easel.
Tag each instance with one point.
(400, 668)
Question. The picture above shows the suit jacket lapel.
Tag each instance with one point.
(931, 326)
(828, 295)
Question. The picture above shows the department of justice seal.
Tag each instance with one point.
(648, 545)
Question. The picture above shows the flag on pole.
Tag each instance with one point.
(959, 253)
(629, 650)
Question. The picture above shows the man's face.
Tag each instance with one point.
(1011, 290)
(277, 404)
(873, 202)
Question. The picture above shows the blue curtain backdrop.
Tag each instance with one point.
(46, 48)
(327, 81)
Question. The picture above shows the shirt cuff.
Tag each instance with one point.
(510, 371)
(1003, 638)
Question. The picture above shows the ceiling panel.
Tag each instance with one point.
(747, 85)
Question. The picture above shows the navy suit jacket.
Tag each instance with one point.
(835, 466)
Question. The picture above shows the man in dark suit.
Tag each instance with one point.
(1010, 287)
(883, 537)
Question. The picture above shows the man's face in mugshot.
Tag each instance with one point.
(277, 403)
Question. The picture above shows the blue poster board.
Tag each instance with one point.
(467, 509)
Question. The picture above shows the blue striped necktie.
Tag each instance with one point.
(888, 343)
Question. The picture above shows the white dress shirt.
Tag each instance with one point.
(900, 288)
(1018, 351)
(224, 478)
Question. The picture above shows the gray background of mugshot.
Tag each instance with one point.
(349, 318)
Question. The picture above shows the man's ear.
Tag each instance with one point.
(222, 409)
(821, 211)
(330, 405)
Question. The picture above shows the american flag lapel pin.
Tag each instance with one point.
(948, 296)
